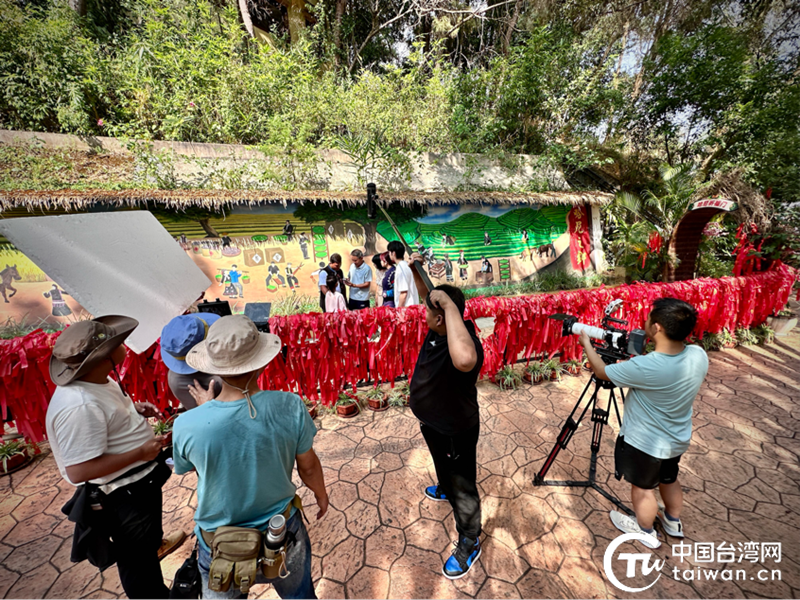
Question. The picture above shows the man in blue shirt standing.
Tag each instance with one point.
(360, 280)
(657, 423)
(244, 445)
(234, 275)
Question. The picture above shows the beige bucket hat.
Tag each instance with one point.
(233, 347)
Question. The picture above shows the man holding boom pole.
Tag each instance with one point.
(445, 400)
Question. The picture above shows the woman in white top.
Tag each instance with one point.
(334, 300)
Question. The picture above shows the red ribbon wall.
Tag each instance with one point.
(328, 353)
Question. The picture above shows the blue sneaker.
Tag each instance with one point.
(434, 492)
(464, 556)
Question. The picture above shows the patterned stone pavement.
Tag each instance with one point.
(381, 539)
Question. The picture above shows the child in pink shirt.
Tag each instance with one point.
(334, 301)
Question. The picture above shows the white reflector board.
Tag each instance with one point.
(114, 263)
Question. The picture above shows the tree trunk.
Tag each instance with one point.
(621, 53)
(341, 7)
(297, 22)
(370, 238)
(79, 6)
(206, 225)
(511, 25)
(244, 15)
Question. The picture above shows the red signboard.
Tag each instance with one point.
(580, 244)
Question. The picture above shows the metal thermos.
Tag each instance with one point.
(276, 532)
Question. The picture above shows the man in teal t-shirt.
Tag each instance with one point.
(657, 424)
(244, 445)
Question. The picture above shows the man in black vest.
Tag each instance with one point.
(334, 268)
(445, 400)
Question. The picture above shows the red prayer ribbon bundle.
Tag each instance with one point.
(329, 353)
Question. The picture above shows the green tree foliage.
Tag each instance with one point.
(710, 85)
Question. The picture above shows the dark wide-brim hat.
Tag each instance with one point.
(85, 344)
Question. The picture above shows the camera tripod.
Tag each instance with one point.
(599, 417)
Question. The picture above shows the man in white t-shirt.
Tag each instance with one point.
(405, 289)
(103, 444)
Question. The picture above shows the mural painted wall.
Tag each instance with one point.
(268, 253)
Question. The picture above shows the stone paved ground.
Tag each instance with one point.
(381, 539)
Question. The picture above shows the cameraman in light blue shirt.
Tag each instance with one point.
(657, 423)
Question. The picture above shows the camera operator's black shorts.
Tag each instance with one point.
(641, 469)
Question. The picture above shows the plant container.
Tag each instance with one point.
(15, 463)
(347, 411)
(312, 410)
(377, 404)
(782, 325)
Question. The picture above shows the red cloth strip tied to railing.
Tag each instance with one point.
(329, 353)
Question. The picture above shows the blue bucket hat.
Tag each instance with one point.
(182, 334)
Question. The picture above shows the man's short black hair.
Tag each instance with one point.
(677, 317)
(336, 258)
(398, 248)
(455, 294)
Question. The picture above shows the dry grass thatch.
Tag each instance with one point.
(754, 207)
(217, 199)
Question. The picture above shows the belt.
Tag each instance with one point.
(208, 536)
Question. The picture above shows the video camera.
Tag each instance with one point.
(613, 343)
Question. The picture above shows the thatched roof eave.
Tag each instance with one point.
(218, 199)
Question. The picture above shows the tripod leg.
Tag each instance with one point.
(569, 428)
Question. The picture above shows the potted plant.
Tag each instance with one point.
(311, 407)
(399, 396)
(376, 399)
(164, 427)
(346, 406)
(245, 279)
(573, 367)
(711, 341)
(536, 372)
(14, 455)
(726, 339)
(746, 337)
(556, 369)
(764, 334)
(507, 378)
(782, 323)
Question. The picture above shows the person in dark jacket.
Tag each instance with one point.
(334, 268)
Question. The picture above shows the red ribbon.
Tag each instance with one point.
(329, 353)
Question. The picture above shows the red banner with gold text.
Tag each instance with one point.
(580, 244)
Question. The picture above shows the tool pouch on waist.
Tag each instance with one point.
(234, 558)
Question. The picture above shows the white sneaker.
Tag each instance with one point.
(671, 528)
(628, 524)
